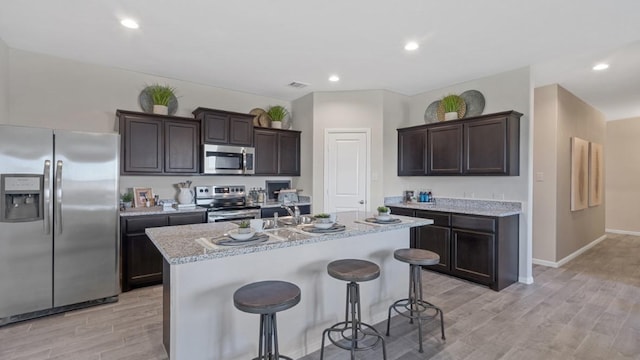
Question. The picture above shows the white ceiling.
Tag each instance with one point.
(260, 46)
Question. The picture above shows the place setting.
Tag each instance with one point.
(247, 233)
(323, 224)
(383, 217)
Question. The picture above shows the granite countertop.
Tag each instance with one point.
(157, 210)
(462, 206)
(178, 244)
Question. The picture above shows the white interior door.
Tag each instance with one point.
(346, 169)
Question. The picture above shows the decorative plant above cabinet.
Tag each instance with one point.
(159, 99)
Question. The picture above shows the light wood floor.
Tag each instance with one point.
(588, 309)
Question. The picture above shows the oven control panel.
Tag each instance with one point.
(208, 192)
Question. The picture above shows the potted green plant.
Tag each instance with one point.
(126, 199)
(161, 95)
(383, 210)
(244, 227)
(451, 104)
(277, 113)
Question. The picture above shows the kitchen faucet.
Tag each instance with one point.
(295, 214)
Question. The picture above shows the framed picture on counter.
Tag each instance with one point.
(141, 196)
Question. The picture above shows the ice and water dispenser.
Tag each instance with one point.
(22, 197)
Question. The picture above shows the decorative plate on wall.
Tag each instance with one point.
(475, 102)
(431, 114)
(146, 102)
(257, 112)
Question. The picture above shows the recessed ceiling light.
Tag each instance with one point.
(129, 23)
(334, 78)
(411, 46)
(601, 66)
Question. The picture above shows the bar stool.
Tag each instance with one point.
(354, 334)
(415, 304)
(267, 298)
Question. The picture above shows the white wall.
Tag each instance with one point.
(348, 109)
(302, 110)
(56, 93)
(506, 91)
(545, 162)
(4, 83)
(622, 171)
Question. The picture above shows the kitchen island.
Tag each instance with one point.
(200, 321)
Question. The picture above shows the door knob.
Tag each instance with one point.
(361, 201)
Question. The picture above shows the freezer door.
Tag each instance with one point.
(25, 247)
(86, 213)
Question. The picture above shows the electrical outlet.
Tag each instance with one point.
(540, 176)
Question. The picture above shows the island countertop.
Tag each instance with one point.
(178, 244)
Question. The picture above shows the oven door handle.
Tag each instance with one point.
(236, 213)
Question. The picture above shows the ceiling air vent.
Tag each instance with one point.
(298, 84)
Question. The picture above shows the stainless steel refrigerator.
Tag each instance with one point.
(58, 221)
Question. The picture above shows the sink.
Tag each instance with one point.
(288, 220)
(286, 233)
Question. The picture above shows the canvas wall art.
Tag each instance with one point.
(596, 174)
(579, 174)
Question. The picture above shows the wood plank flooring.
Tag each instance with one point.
(588, 309)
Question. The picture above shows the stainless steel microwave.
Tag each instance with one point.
(228, 160)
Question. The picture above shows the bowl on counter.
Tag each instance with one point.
(236, 234)
(323, 223)
(383, 217)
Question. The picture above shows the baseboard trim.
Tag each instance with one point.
(572, 256)
(623, 232)
(525, 280)
(545, 263)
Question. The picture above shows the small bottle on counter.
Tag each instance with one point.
(275, 219)
(430, 197)
(260, 196)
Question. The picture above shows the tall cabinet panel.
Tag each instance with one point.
(412, 152)
(289, 153)
(445, 150)
(142, 144)
(181, 146)
(266, 143)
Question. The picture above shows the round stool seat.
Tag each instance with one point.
(353, 270)
(417, 256)
(266, 297)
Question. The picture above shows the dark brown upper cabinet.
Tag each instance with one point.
(277, 152)
(444, 149)
(158, 144)
(481, 145)
(412, 151)
(225, 127)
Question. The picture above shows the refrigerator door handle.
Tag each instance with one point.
(59, 196)
(47, 196)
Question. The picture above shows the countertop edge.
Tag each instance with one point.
(212, 255)
(460, 210)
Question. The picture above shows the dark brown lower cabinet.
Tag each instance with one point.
(482, 249)
(141, 262)
(479, 267)
(436, 238)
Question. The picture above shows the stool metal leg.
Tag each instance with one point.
(415, 305)
(359, 330)
(268, 344)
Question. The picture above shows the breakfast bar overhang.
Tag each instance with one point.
(200, 320)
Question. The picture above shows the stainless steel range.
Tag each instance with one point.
(226, 203)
